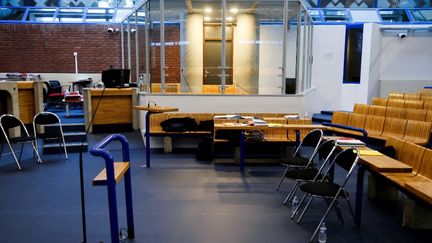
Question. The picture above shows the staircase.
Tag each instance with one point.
(74, 134)
(324, 116)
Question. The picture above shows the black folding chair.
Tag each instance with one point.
(311, 172)
(7, 122)
(300, 158)
(346, 159)
(48, 118)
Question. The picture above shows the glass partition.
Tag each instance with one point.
(388, 15)
(219, 47)
(12, 14)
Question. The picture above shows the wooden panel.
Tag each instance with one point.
(112, 110)
(276, 134)
(427, 105)
(361, 109)
(156, 88)
(412, 155)
(421, 189)
(412, 96)
(394, 127)
(210, 89)
(402, 178)
(426, 165)
(110, 92)
(340, 118)
(396, 103)
(379, 101)
(374, 125)
(376, 110)
(25, 84)
(120, 169)
(26, 103)
(396, 95)
(395, 112)
(414, 104)
(418, 132)
(303, 132)
(382, 163)
(397, 144)
(415, 114)
(155, 109)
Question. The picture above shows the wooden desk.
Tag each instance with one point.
(115, 107)
(422, 189)
(151, 110)
(243, 128)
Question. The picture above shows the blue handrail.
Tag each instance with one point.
(98, 150)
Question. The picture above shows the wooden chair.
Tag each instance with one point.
(415, 114)
(412, 155)
(355, 120)
(376, 110)
(210, 89)
(374, 125)
(156, 88)
(396, 95)
(426, 164)
(418, 132)
(396, 103)
(276, 134)
(340, 117)
(397, 144)
(427, 104)
(412, 96)
(394, 112)
(172, 88)
(429, 116)
(394, 127)
(361, 109)
(414, 104)
(379, 101)
(303, 132)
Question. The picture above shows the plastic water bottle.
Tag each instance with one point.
(294, 204)
(322, 236)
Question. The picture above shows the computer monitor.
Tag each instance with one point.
(116, 78)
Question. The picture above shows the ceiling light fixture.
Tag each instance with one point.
(208, 10)
(207, 18)
(229, 18)
(234, 10)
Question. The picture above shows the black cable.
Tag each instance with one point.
(242, 88)
(185, 79)
(83, 214)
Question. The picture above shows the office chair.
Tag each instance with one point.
(300, 158)
(48, 118)
(346, 159)
(7, 122)
(55, 92)
(311, 172)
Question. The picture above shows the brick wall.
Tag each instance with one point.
(49, 48)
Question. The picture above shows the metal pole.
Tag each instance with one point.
(137, 69)
(223, 55)
(304, 51)
(162, 44)
(147, 46)
(297, 72)
(284, 46)
(129, 43)
(122, 45)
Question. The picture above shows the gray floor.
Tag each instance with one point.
(179, 199)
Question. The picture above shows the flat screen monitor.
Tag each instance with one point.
(116, 78)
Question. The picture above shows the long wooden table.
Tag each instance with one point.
(151, 110)
(244, 127)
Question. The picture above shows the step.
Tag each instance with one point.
(320, 118)
(69, 137)
(55, 148)
(69, 127)
(327, 113)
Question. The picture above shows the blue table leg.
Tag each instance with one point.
(129, 208)
(297, 141)
(242, 152)
(359, 195)
(147, 138)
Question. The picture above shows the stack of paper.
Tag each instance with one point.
(349, 142)
(292, 117)
(259, 122)
(228, 117)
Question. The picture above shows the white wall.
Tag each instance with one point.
(327, 68)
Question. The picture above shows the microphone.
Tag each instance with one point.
(83, 213)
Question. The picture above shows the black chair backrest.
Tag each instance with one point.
(347, 158)
(54, 86)
(45, 118)
(9, 121)
(326, 148)
(309, 143)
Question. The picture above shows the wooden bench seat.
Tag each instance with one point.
(120, 169)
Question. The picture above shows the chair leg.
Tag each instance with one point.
(323, 218)
(64, 147)
(349, 203)
(13, 154)
(304, 210)
(291, 193)
(1, 150)
(282, 178)
(339, 212)
(37, 153)
(21, 150)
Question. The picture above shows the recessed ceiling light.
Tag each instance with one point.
(207, 18)
(234, 10)
(229, 18)
(208, 10)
